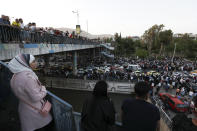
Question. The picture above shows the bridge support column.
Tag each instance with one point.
(75, 62)
(94, 52)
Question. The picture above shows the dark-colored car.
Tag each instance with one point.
(172, 102)
(191, 86)
(194, 87)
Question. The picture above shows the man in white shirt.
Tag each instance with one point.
(21, 23)
(33, 27)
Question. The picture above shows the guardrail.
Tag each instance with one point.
(78, 84)
(10, 34)
(163, 114)
(64, 117)
(62, 114)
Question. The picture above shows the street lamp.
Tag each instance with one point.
(174, 53)
(77, 16)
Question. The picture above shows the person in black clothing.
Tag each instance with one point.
(98, 113)
(138, 114)
(182, 123)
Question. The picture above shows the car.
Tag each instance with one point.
(80, 71)
(132, 68)
(176, 74)
(194, 71)
(172, 102)
(192, 86)
(153, 73)
(137, 73)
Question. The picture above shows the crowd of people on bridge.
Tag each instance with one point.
(17, 31)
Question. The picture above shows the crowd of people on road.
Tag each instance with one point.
(161, 75)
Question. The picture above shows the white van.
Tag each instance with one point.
(133, 67)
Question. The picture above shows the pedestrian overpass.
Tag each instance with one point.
(9, 51)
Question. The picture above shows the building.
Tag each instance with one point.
(191, 35)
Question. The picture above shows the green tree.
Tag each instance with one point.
(141, 53)
(165, 38)
(151, 36)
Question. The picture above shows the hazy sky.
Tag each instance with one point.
(130, 17)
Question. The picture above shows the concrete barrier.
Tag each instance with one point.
(79, 84)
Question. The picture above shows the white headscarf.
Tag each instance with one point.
(19, 64)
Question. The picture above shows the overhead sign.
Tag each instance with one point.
(78, 29)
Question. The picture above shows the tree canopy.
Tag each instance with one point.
(156, 42)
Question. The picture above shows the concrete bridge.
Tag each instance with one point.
(8, 51)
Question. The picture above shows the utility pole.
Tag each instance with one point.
(87, 26)
(77, 16)
(174, 53)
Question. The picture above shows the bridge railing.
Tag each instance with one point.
(10, 34)
(163, 114)
(65, 118)
(62, 114)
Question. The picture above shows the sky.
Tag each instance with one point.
(130, 17)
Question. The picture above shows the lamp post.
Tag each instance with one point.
(174, 53)
(77, 16)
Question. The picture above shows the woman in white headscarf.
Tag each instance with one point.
(29, 91)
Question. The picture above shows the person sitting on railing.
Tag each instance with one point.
(181, 122)
(138, 114)
(98, 113)
(30, 92)
(16, 23)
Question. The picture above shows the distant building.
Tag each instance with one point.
(178, 35)
(191, 35)
(134, 38)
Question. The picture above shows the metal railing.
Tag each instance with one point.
(10, 34)
(163, 114)
(64, 117)
(62, 114)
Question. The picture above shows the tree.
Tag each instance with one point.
(186, 46)
(165, 38)
(150, 37)
(124, 46)
(141, 53)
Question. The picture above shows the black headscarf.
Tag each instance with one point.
(100, 89)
